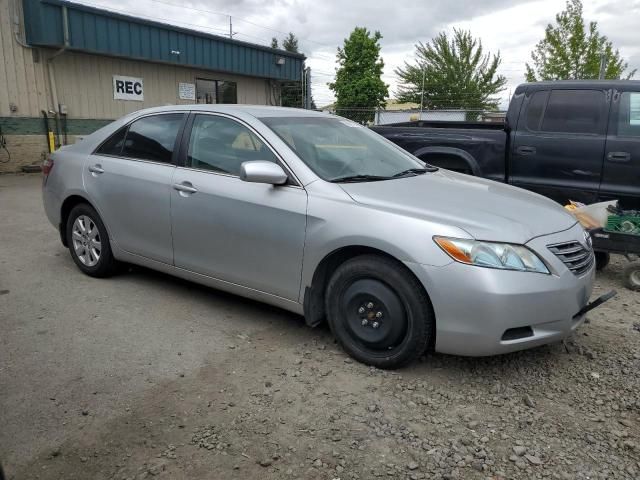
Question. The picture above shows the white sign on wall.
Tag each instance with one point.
(186, 91)
(128, 88)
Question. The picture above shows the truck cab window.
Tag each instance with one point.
(629, 115)
(576, 111)
(535, 109)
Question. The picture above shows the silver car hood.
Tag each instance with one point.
(485, 209)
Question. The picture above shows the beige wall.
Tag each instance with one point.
(85, 84)
(22, 81)
(25, 150)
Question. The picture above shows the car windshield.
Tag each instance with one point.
(339, 150)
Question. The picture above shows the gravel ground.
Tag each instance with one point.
(145, 376)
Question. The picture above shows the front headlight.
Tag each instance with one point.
(504, 256)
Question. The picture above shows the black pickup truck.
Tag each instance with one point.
(567, 140)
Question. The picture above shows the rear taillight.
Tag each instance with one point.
(47, 166)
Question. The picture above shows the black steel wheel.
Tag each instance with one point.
(379, 312)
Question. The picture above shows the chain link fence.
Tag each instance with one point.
(373, 116)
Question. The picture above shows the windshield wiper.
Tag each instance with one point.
(359, 178)
(416, 171)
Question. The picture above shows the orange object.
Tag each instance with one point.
(453, 250)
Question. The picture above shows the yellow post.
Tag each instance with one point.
(52, 142)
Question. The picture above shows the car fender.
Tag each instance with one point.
(338, 223)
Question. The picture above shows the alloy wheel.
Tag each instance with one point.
(87, 244)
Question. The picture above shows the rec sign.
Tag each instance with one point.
(128, 88)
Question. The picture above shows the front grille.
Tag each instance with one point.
(574, 255)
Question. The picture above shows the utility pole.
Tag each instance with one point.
(231, 32)
(424, 71)
(603, 66)
(307, 84)
(304, 78)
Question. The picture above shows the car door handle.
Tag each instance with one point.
(619, 156)
(97, 169)
(525, 150)
(184, 187)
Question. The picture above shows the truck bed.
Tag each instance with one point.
(477, 148)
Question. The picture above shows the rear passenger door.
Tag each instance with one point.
(558, 148)
(621, 173)
(129, 181)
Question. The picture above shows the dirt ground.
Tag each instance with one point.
(145, 376)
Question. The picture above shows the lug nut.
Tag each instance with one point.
(365, 322)
(379, 315)
(375, 324)
(370, 305)
(361, 310)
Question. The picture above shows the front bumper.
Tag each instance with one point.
(475, 306)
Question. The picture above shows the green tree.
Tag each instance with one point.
(274, 42)
(358, 82)
(290, 43)
(570, 50)
(456, 73)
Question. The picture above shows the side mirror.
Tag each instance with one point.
(262, 171)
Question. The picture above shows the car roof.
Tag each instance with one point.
(258, 111)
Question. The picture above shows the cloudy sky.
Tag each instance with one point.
(512, 27)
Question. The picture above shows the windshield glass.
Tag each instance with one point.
(337, 149)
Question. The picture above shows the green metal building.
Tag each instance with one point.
(81, 67)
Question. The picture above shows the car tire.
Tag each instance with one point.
(602, 260)
(88, 242)
(632, 276)
(379, 312)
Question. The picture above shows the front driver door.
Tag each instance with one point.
(250, 234)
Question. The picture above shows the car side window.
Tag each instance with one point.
(535, 109)
(113, 145)
(575, 111)
(221, 145)
(153, 138)
(629, 115)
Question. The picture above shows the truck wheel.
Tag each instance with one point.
(602, 260)
(632, 276)
(379, 312)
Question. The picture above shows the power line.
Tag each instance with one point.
(201, 10)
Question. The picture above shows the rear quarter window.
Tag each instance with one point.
(153, 138)
(113, 144)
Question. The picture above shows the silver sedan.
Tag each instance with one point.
(320, 216)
